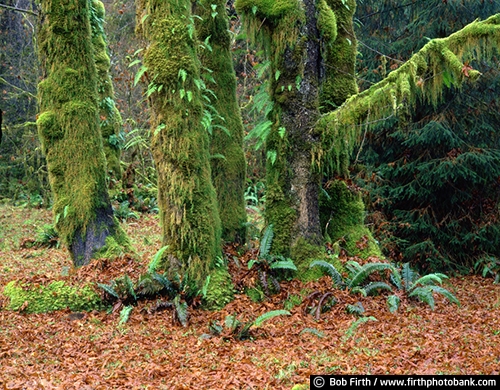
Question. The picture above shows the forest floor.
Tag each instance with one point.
(92, 350)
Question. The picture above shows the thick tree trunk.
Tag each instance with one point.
(226, 139)
(69, 131)
(187, 200)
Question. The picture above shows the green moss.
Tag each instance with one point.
(303, 253)
(220, 290)
(271, 9)
(55, 296)
(255, 294)
(226, 138)
(187, 200)
(327, 22)
(342, 218)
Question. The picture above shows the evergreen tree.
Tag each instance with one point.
(189, 216)
(68, 127)
(226, 130)
(434, 173)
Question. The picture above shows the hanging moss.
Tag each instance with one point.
(438, 64)
(189, 216)
(69, 130)
(226, 138)
(109, 115)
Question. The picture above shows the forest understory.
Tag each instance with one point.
(93, 350)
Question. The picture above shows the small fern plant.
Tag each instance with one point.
(421, 288)
(268, 265)
(239, 330)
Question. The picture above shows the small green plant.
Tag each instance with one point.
(123, 212)
(268, 264)
(354, 326)
(489, 265)
(372, 278)
(47, 237)
(241, 331)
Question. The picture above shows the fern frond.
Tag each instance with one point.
(266, 241)
(447, 294)
(374, 287)
(409, 276)
(155, 262)
(393, 302)
(396, 278)
(270, 314)
(181, 310)
(424, 294)
(353, 267)
(430, 279)
(313, 331)
(330, 269)
(357, 309)
(350, 331)
(360, 290)
(165, 283)
(129, 286)
(231, 322)
(147, 286)
(283, 264)
(125, 314)
(366, 271)
(109, 289)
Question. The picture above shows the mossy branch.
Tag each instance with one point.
(439, 64)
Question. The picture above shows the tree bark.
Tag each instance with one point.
(69, 131)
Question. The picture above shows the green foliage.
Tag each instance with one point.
(123, 212)
(241, 330)
(219, 290)
(125, 314)
(268, 264)
(55, 296)
(47, 236)
(385, 277)
(354, 326)
(490, 266)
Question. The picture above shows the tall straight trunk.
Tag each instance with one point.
(68, 126)
(291, 31)
(188, 206)
(226, 135)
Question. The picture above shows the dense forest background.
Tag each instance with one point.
(430, 185)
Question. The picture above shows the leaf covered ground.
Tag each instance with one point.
(92, 350)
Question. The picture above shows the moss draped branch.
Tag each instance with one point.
(439, 64)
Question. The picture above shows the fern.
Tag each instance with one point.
(356, 309)
(366, 271)
(313, 331)
(448, 295)
(330, 269)
(409, 276)
(109, 289)
(424, 294)
(430, 279)
(125, 314)
(266, 241)
(350, 331)
(181, 311)
(283, 264)
(393, 302)
(155, 262)
(270, 314)
(374, 287)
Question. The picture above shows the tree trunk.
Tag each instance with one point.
(226, 133)
(187, 200)
(69, 131)
(292, 183)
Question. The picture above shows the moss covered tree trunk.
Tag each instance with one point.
(68, 126)
(226, 139)
(295, 33)
(188, 206)
(109, 116)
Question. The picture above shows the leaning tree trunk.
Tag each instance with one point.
(68, 126)
(226, 133)
(188, 206)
